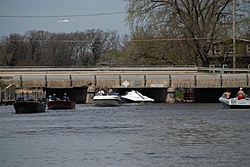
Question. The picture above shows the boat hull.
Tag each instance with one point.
(136, 97)
(106, 101)
(61, 105)
(129, 100)
(26, 107)
(234, 103)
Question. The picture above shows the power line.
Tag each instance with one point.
(83, 15)
(133, 40)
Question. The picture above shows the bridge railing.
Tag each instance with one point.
(141, 68)
(7, 94)
(224, 70)
(134, 80)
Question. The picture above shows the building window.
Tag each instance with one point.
(217, 49)
(248, 48)
(230, 49)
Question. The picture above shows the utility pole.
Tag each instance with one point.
(234, 33)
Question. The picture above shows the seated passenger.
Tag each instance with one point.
(228, 94)
(49, 98)
(54, 97)
(110, 91)
(64, 97)
(100, 92)
(240, 94)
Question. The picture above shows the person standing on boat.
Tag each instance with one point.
(228, 94)
(240, 94)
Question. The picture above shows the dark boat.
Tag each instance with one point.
(61, 105)
(29, 106)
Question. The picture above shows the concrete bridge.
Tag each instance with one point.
(154, 82)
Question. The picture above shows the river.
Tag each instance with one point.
(149, 135)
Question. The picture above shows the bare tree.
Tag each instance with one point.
(58, 49)
(15, 50)
(36, 43)
(194, 22)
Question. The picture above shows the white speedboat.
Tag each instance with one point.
(234, 102)
(107, 100)
(135, 97)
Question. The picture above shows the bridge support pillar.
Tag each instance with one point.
(170, 95)
(90, 95)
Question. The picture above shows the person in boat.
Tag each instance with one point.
(227, 94)
(240, 94)
(100, 92)
(54, 97)
(20, 99)
(110, 92)
(64, 97)
(49, 98)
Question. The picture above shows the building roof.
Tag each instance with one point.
(237, 39)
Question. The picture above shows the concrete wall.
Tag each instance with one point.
(137, 81)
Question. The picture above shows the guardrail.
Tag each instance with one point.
(224, 70)
(170, 68)
(13, 69)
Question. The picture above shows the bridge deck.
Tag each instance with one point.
(164, 77)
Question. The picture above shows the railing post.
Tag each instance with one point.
(5, 95)
(120, 80)
(247, 78)
(145, 80)
(170, 80)
(9, 93)
(212, 66)
(195, 80)
(70, 80)
(46, 80)
(221, 80)
(21, 81)
(95, 80)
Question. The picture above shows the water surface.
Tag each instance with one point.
(150, 135)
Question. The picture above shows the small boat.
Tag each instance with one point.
(29, 106)
(135, 97)
(61, 104)
(234, 102)
(105, 100)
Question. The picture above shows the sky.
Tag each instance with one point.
(44, 14)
